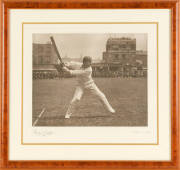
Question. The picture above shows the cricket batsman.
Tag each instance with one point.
(85, 83)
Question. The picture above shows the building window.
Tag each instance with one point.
(123, 46)
(48, 59)
(40, 49)
(40, 60)
(116, 56)
(123, 56)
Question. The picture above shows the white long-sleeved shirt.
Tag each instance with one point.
(84, 76)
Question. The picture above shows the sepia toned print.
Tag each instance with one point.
(90, 80)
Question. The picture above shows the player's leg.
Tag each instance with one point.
(76, 98)
(100, 95)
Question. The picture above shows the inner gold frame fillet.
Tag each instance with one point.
(157, 27)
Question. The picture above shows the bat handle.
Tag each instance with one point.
(62, 65)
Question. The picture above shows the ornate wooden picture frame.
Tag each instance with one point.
(7, 5)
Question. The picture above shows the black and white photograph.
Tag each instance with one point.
(82, 79)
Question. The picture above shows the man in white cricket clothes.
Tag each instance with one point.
(85, 83)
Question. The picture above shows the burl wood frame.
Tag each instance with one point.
(6, 5)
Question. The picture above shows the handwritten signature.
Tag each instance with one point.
(42, 132)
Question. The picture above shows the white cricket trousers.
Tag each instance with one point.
(92, 89)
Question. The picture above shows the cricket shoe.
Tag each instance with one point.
(67, 116)
(112, 110)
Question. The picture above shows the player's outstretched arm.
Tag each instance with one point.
(75, 72)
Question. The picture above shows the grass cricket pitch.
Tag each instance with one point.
(127, 96)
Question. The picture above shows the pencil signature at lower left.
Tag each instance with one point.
(42, 132)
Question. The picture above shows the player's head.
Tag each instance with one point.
(87, 61)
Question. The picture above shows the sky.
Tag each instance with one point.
(78, 45)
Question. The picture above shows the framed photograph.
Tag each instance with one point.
(89, 84)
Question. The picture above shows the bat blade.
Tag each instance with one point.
(56, 50)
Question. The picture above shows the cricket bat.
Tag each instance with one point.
(56, 50)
